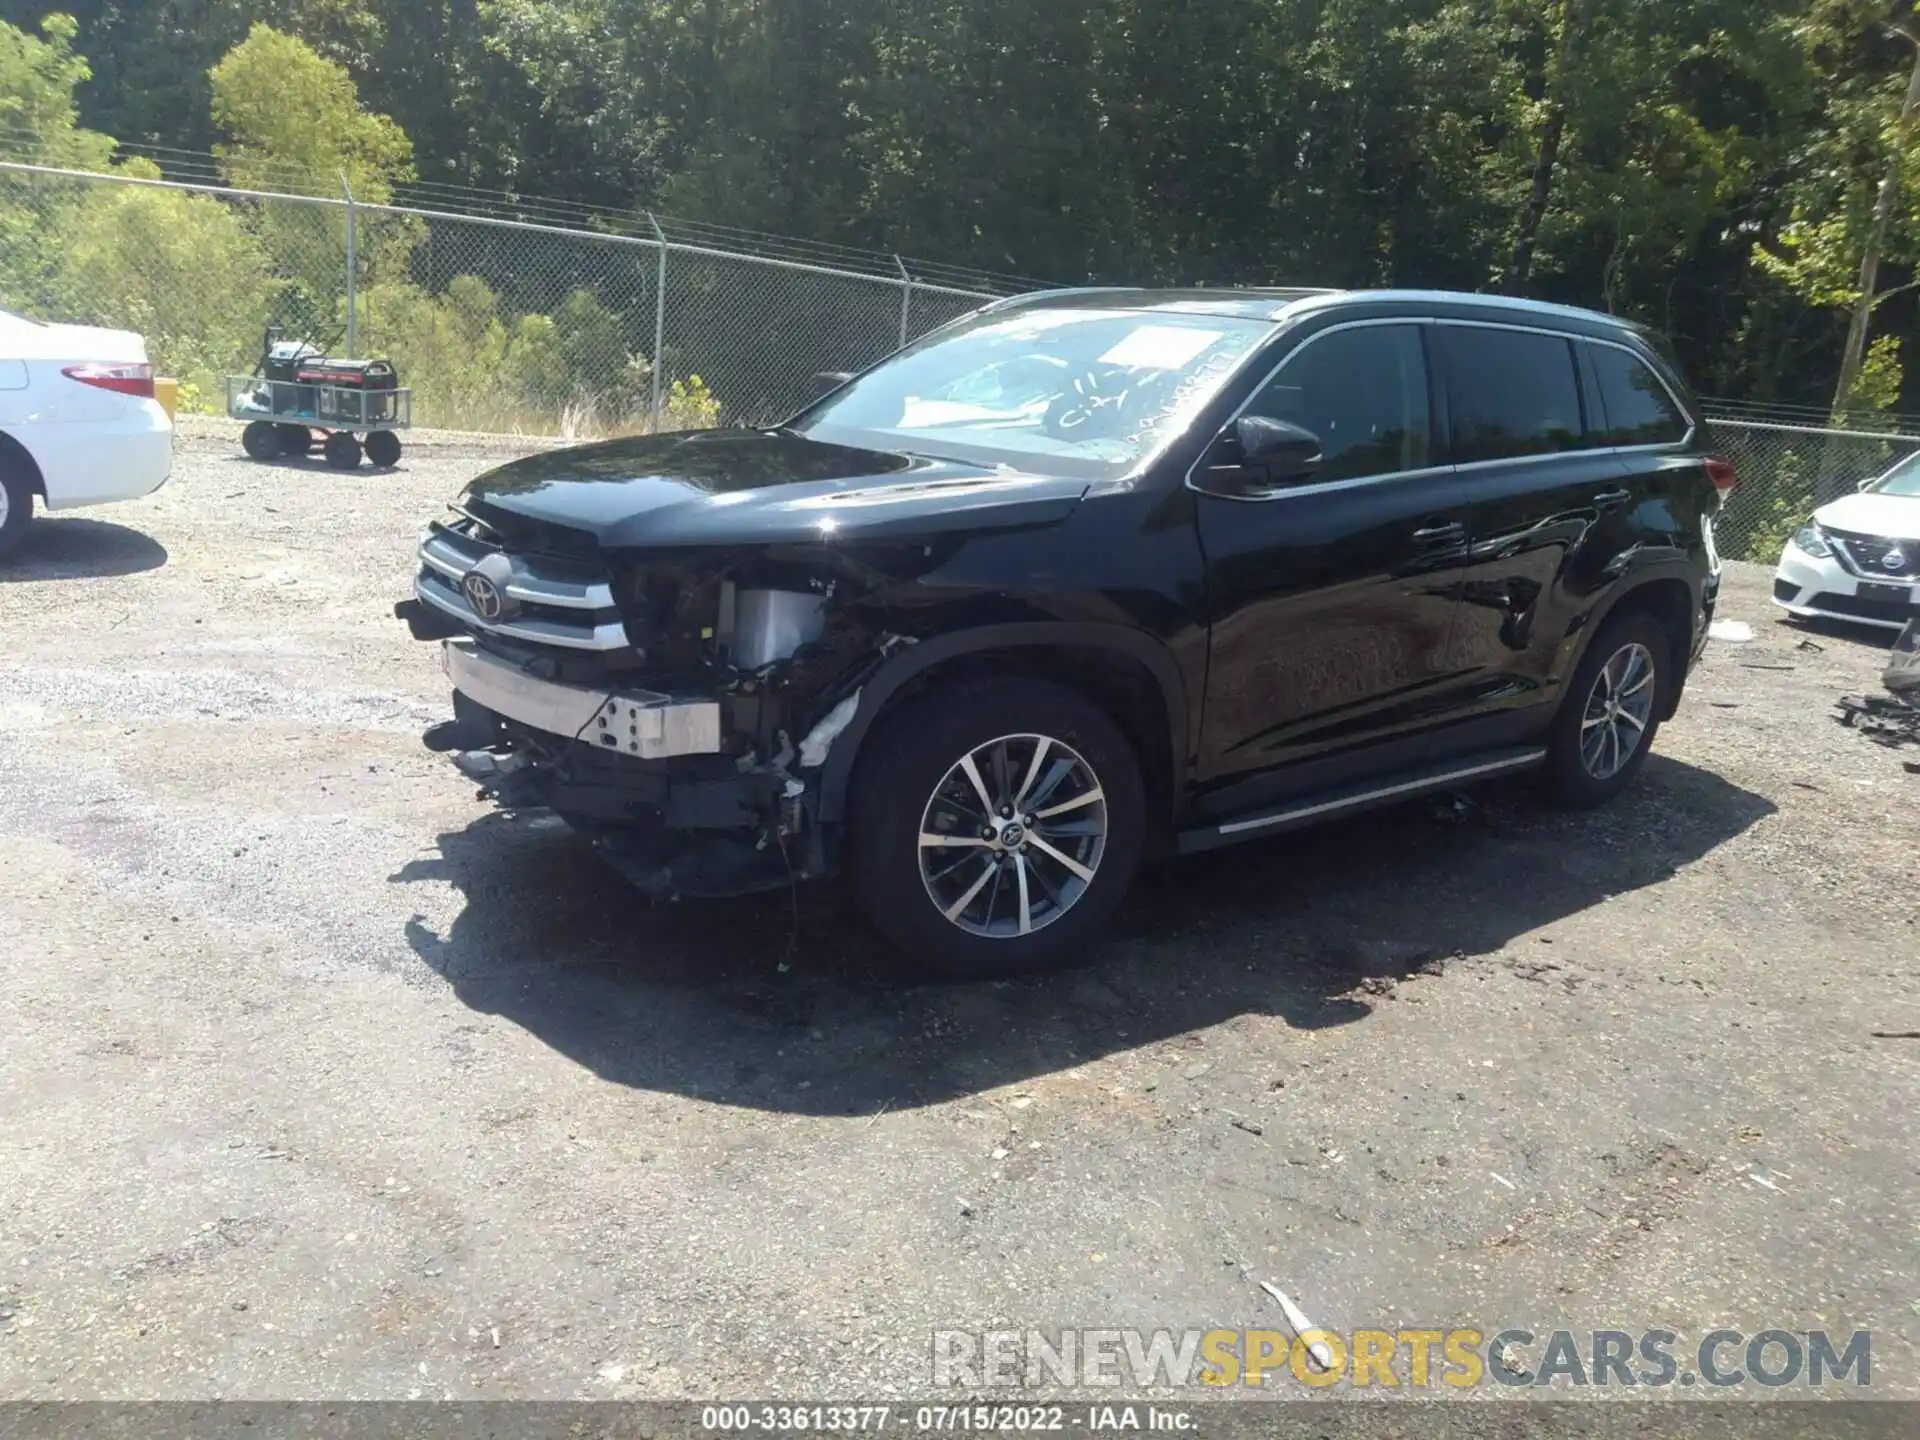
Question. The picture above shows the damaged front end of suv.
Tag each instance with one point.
(663, 640)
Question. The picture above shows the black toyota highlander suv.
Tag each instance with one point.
(1082, 577)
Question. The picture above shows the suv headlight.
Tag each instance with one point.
(1810, 539)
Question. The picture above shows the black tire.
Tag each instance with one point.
(18, 495)
(262, 441)
(383, 449)
(1571, 774)
(919, 750)
(343, 451)
(295, 439)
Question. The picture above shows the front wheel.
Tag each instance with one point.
(1611, 711)
(262, 441)
(995, 828)
(16, 509)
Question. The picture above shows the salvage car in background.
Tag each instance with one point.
(79, 424)
(1081, 577)
(1858, 558)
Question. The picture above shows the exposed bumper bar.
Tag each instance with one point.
(640, 723)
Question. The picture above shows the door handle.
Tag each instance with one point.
(1434, 534)
(1611, 499)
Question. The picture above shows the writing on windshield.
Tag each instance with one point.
(1091, 391)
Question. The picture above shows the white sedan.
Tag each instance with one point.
(78, 421)
(1859, 557)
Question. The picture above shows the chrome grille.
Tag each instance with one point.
(1867, 556)
(554, 602)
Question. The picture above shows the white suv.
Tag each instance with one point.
(1858, 559)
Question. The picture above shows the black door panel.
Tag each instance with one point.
(1330, 602)
(1543, 550)
(1332, 624)
(1547, 504)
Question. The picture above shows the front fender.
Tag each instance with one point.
(915, 661)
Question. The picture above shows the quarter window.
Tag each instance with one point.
(1640, 410)
(1363, 392)
(1509, 392)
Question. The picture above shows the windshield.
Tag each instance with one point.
(1086, 393)
(1902, 479)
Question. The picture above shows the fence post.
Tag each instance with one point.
(353, 271)
(659, 316)
(906, 299)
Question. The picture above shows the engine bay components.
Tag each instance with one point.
(770, 625)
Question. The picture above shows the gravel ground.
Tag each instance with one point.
(322, 1080)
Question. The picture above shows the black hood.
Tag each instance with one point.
(746, 487)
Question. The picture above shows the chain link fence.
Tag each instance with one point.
(498, 324)
(1787, 471)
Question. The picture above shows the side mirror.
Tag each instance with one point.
(1866, 484)
(1276, 451)
(828, 381)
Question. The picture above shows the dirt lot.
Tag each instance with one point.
(320, 1079)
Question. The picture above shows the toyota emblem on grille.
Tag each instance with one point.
(1895, 560)
(483, 595)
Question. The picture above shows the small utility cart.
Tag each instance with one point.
(298, 391)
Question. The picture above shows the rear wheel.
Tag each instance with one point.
(383, 448)
(295, 439)
(1607, 722)
(995, 828)
(343, 451)
(262, 441)
(16, 508)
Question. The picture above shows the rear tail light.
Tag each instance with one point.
(122, 379)
(1720, 470)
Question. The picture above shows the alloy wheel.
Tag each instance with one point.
(1012, 836)
(1618, 710)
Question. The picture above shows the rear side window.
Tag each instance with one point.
(1640, 410)
(1511, 392)
(1363, 392)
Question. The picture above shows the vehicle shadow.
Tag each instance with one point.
(787, 1003)
(69, 548)
(1867, 636)
(316, 464)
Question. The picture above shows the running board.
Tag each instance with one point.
(1364, 796)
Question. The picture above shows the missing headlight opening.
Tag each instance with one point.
(692, 752)
(770, 625)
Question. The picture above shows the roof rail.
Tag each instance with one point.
(1025, 295)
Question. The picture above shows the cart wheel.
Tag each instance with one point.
(295, 439)
(343, 451)
(261, 440)
(383, 448)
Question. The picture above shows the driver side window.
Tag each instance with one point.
(1363, 392)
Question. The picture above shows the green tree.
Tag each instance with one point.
(179, 268)
(295, 123)
(294, 120)
(39, 115)
(39, 121)
(149, 58)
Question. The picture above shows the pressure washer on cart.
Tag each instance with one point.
(297, 390)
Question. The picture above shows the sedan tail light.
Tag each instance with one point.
(1720, 470)
(119, 377)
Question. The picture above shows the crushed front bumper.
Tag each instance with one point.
(646, 775)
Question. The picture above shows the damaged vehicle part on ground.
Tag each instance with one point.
(1080, 578)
